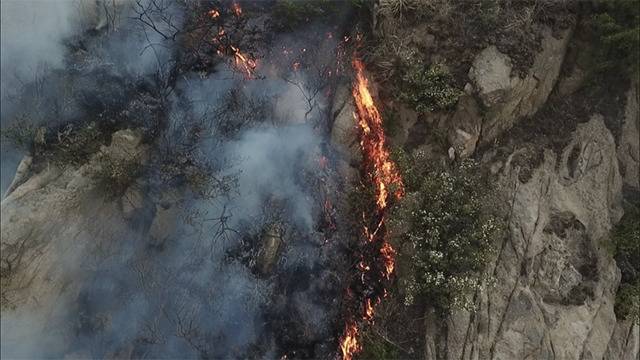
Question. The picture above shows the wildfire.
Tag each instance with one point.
(386, 179)
(243, 62)
(213, 13)
(388, 256)
(349, 344)
(236, 9)
(385, 174)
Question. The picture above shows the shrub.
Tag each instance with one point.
(116, 174)
(617, 33)
(626, 249)
(448, 234)
(429, 89)
(20, 134)
(374, 347)
(627, 304)
(74, 145)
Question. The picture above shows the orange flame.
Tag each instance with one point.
(213, 13)
(385, 174)
(388, 256)
(243, 62)
(368, 309)
(349, 344)
(385, 178)
(237, 9)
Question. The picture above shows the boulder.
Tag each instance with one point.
(507, 97)
(464, 127)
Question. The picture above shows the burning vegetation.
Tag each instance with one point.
(227, 231)
(377, 255)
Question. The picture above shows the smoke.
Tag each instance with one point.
(31, 39)
(199, 291)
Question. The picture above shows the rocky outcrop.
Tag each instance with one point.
(464, 127)
(52, 218)
(508, 97)
(553, 284)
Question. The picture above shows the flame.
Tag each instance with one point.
(213, 13)
(243, 62)
(385, 177)
(388, 257)
(349, 344)
(237, 10)
(385, 173)
(368, 309)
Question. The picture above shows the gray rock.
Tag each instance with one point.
(344, 133)
(49, 224)
(554, 285)
(508, 98)
(464, 127)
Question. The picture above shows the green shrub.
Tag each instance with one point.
(429, 89)
(627, 304)
(374, 347)
(617, 33)
(449, 235)
(20, 134)
(625, 245)
(391, 123)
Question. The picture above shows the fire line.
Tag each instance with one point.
(384, 176)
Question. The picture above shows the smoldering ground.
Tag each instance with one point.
(201, 286)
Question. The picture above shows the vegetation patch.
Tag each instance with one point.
(616, 35)
(625, 245)
(429, 89)
(446, 233)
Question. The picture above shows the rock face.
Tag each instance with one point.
(464, 131)
(554, 284)
(33, 244)
(507, 97)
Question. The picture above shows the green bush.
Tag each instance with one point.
(627, 304)
(626, 249)
(429, 89)
(374, 347)
(448, 234)
(617, 33)
(20, 134)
